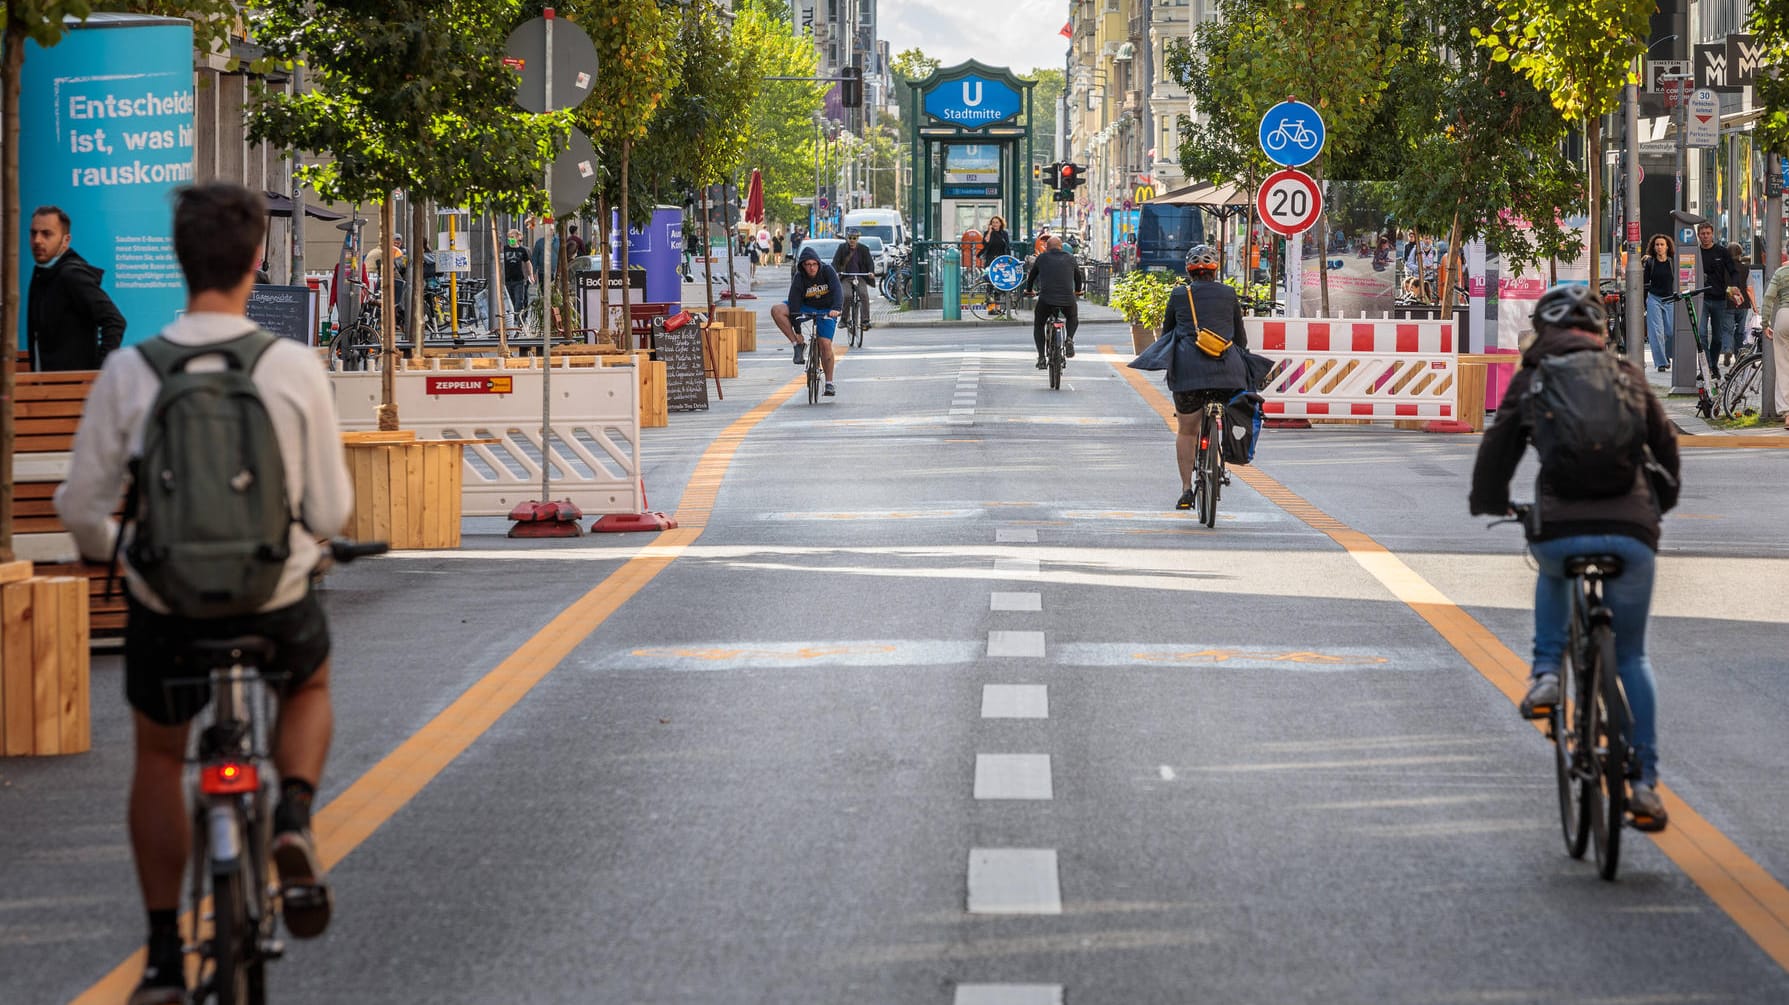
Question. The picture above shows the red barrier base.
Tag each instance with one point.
(546, 519)
(1286, 423)
(625, 523)
(1447, 426)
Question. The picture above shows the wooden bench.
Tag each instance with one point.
(47, 409)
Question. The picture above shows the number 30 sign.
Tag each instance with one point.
(1289, 202)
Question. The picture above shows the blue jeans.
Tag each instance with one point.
(1661, 328)
(1723, 331)
(1629, 596)
(824, 327)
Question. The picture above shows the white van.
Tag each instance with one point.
(884, 223)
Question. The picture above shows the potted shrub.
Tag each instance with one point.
(1142, 297)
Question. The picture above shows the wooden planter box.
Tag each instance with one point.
(1142, 337)
(744, 324)
(406, 491)
(725, 344)
(45, 697)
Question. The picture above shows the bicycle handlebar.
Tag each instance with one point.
(344, 551)
(1519, 513)
(1685, 294)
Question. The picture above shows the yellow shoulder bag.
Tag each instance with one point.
(1209, 342)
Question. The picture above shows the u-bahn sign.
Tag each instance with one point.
(974, 100)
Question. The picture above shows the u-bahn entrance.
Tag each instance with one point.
(971, 154)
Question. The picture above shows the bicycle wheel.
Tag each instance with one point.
(1567, 755)
(231, 936)
(1744, 387)
(1612, 753)
(1209, 472)
(1055, 358)
(975, 298)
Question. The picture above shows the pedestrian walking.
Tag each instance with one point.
(1775, 311)
(1722, 304)
(996, 241)
(574, 245)
(776, 247)
(1748, 304)
(795, 239)
(518, 273)
(72, 323)
(1660, 277)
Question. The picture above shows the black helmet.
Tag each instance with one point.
(1201, 256)
(1571, 305)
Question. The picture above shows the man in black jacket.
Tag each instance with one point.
(1056, 277)
(1719, 272)
(72, 324)
(856, 269)
(1568, 521)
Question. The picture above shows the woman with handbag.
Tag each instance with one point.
(1659, 277)
(1202, 347)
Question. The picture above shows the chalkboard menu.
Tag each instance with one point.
(686, 389)
(282, 310)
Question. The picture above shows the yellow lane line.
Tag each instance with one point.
(376, 796)
(1738, 885)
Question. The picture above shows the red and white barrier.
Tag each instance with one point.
(1343, 369)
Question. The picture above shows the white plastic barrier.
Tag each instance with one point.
(1343, 369)
(596, 430)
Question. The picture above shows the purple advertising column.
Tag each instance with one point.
(658, 248)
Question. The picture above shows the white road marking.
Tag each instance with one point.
(1016, 565)
(1013, 776)
(1008, 994)
(1024, 645)
(1015, 701)
(1014, 881)
(962, 411)
(1015, 602)
(1167, 773)
(1015, 535)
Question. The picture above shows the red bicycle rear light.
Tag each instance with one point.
(229, 778)
(1204, 443)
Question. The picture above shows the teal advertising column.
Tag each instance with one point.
(106, 132)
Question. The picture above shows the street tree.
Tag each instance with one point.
(779, 128)
(445, 129)
(1580, 53)
(1768, 21)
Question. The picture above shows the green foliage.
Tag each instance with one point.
(1046, 102)
(1142, 297)
(698, 137)
(1580, 52)
(1768, 22)
(446, 128)
(779, 129)
(213, 20)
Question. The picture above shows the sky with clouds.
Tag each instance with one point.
(1021, 34)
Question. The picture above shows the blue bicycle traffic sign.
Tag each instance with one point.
(1006, 273)
(1291, 133)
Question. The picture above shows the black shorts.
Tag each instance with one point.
(1194, 402)
(155, 654)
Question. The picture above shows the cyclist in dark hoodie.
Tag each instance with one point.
(815, 291)
(1566, 523)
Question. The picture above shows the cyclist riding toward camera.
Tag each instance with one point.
(1609, 470)
(1195, 376)
(856, 268)
(813, 291)
(1056, 278)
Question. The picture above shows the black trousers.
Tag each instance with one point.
(1041, 318)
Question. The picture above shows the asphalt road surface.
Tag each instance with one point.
(934, 698)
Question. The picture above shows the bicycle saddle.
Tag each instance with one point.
(252, 650)
(1604, 566)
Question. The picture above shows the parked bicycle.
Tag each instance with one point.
(1591, 725)
(233, 820)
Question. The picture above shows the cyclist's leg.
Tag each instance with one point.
(1629, 596)
(159, 828)
(1040, 320)
(1072, 316)
(824, 329)
(779, 315)
(1552, 601)
(863, 302)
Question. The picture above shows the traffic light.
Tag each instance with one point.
(851, 88)
(1046, 174)
(1071, 177)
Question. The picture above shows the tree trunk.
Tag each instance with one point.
(627, 297)
(707, 266)
(562, 278)
(11, 64)
(1454, 260)
(388, 322)
(604, 235)
(419, 245)
(1322, 247)
(1593, 135)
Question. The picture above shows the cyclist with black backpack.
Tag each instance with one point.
(230, 437)
(1608, 472)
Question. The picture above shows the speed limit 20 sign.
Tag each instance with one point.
(1289, 202)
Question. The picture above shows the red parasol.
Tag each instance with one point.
(754, 199)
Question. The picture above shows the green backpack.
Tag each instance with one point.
(208, 492)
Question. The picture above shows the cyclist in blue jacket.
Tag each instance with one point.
(814, 290)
